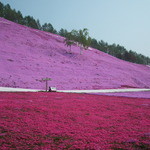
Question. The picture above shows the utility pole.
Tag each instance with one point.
(46, 81)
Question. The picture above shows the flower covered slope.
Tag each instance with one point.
(28, 55)
(61, 121)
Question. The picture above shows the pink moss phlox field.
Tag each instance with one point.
(56, 121)
(28, 55)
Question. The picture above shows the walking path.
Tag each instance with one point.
(8, 89)
(104, 90)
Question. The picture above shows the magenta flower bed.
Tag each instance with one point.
(56, 121)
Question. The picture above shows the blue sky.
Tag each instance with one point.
(124, 22)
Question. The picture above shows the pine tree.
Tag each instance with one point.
(1, 10)
(30, 22)
(63, 32)
(19, 17)
(48, 28)
(7, 12)
(38, 24)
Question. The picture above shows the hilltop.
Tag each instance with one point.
(28, 55)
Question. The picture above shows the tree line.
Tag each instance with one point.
(75, 37)
(16, 16)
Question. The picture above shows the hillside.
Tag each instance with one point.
(28, 55)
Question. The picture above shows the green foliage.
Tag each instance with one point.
(120, 52)
(8, 12)
(80, 38)
(1, 9)
(83, 39)
(69, 40)
(48, 28)
(38, 24)
(63, 32)
(30, 22)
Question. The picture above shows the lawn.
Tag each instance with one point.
(57, 121)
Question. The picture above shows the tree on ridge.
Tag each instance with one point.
(69, 40)
(80, 38)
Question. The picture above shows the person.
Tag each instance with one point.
(50, 90)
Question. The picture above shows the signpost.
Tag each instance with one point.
(46, 80)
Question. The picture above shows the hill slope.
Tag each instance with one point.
(28, 55)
